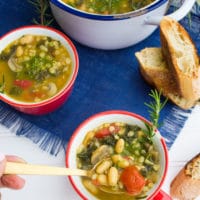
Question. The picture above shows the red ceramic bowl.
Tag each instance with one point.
(58, 99)
(108, 117)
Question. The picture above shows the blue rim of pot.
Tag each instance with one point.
(123, 16)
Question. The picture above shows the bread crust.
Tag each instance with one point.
(159, 76)
(182, 58)
(186, 186)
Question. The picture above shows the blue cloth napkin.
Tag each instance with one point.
(106, 80)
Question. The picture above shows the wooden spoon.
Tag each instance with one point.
(29, 169)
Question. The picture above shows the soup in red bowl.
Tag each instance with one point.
(128, 164)
(38, 67)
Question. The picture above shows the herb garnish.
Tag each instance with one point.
(2, 84)
(15, 90)
(155, 107)
(36, 68)
(42, 8)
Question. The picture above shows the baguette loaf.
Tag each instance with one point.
(181, 57)
(154, 69)
(186, 185)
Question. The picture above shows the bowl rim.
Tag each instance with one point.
(67, 87)
(113, 112)
(63, 6)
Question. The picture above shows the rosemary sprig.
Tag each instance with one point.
(155, 108)
(2, 84)
(42, 8)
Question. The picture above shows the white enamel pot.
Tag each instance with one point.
(114, 31)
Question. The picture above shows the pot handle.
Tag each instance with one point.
(162, 196)
(177, 15)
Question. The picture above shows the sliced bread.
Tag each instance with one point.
(186, 184)
(154, 69)
(182, 59)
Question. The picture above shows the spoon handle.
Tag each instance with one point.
(28, 169)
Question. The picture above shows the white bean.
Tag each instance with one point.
(88, 137)
(102, 179)
(19, 51)
(123, 163)
(68, 61)
(113, 176)
(116, 158)
(105, 165)
(90, 186)
(119, 147)
(27, 39)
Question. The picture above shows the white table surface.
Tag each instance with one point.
(59, 188)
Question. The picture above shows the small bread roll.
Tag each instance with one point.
(186, 185)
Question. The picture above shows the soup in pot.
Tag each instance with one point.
(108, 6)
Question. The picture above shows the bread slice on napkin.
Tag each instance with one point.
(186, 185)
(181, 56)
(154, 69)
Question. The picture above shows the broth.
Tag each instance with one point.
(34, 68)
(125, 154)
(108, 6)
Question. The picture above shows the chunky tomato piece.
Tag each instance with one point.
(23, 83)
(102, 132)
(107, 131)
(96, 182)
(132, 180)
